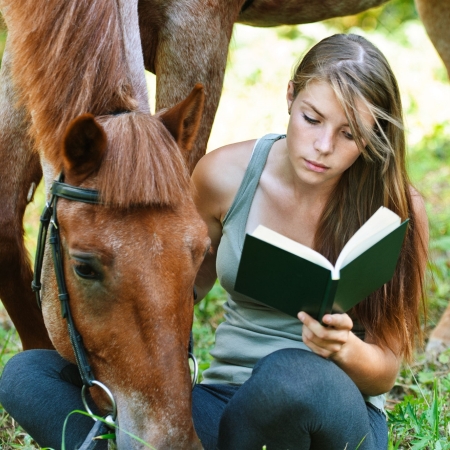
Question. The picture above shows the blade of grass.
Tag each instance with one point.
(84, 413)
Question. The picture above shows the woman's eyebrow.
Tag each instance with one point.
(313, 108)
(306, 102)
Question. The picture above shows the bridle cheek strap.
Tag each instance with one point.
(49, 220)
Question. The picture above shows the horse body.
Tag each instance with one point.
(268, 13)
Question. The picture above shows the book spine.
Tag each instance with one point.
(328, 298)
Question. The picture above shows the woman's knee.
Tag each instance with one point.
(12, 375)
(24, 371)
(296, 394)
(293, 381)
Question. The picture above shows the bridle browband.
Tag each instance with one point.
(49, 220)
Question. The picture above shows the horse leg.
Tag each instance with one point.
(185, 43)
(435, 15)
(439, 339)
(19, 171)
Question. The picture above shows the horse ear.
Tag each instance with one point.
(183, 120)
(83, 147)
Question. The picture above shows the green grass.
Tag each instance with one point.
(421, 419)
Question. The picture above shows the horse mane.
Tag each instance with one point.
(142, 164)
(67, 59)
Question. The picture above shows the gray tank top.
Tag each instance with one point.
(251, 330)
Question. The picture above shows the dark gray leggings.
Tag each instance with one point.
(293, 400)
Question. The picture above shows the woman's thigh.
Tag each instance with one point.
(298, 400)
(39, 389)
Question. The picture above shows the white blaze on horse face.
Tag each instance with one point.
(31, 192)
(49, 174)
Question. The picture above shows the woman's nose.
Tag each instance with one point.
(324, 142)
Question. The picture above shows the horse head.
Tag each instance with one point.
(129, 266)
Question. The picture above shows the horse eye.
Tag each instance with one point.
(86, 271)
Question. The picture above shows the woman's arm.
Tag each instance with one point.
(373, 368)
(216, 180)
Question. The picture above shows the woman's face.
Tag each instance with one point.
(319, 141)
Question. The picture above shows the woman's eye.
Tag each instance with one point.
(86, 271)
(348, 135)
(310, 120)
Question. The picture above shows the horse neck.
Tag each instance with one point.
(90, 60)
(133, 51)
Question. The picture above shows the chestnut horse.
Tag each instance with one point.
(73, 79)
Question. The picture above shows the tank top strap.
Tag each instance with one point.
(243, 200)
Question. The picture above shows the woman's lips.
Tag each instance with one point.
(315, 166)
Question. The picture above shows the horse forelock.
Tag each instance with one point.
(142, 164)
(67, 59)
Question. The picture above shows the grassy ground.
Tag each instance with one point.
(253, 104)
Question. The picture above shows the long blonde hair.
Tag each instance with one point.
(360, 74)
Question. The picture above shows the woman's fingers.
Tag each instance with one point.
(325, 339)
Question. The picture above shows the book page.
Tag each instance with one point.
(383, 222)
(291, 246)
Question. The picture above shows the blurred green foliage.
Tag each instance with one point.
(384, 18)
(208, 314)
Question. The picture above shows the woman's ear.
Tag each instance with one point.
(290, 95)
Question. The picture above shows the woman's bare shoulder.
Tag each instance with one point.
(219, 173)
(231, 157)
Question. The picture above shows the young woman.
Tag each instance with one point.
(276, 380)
(297, 384)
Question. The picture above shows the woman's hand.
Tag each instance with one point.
(372, 368)
(327, 341)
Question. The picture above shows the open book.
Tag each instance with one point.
(291, 277)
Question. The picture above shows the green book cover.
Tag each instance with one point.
(292, 283)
